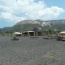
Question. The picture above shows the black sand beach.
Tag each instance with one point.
(31, 51)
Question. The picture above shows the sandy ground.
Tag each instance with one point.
(31, 51)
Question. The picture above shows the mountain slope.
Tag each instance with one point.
(25, 27)
(28, 25)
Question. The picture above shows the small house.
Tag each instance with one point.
(29, 33)
(17, 33)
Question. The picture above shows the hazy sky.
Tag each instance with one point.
(13, 11)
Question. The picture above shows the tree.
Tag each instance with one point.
(37, 29)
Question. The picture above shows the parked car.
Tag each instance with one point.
(61, 36)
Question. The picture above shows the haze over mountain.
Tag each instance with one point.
(29, 22)
(27, 25)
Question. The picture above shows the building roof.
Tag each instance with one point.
(28, 31)
(17, 33)
(62, 32)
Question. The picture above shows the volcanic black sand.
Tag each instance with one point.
(31, 51)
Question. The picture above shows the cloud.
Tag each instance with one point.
(28, 9)
(6, 8)
(9, 16)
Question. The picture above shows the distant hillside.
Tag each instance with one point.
(58, 24)
(27, 25)
(5, 29)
